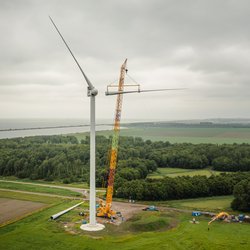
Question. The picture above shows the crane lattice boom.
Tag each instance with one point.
(105, 210)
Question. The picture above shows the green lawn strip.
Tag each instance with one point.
(38, 189)
(54, 183)
(29, 197)
(174, 172)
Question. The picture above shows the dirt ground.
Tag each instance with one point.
(12, 209)
(127, 211)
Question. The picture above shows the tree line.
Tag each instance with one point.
(181, 187)
(241, 194)
(65, 158)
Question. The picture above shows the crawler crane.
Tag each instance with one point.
(105, 210)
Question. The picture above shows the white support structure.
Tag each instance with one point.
(92, 200)
(92, 225)
(92, 92)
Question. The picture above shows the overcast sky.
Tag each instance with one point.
(200, 45)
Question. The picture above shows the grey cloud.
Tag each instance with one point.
(202, 45)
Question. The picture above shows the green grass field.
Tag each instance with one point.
(29, 197)
(174, 172)
(211, 204)
(166, 230)
(38, 189)
(54, 183)
(187, 134)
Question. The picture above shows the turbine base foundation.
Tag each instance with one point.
(92, 228)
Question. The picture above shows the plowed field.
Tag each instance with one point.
(11, 209)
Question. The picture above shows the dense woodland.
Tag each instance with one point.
(65, 158)
(241, 193)
(182, 187)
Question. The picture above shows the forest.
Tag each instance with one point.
(67, 159)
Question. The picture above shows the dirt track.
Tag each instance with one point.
(127, 209)
(12, 209)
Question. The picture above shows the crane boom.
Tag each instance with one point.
(105, 210)
(115, 139)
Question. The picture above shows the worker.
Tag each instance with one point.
(194, 221)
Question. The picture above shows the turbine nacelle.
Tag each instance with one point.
(92, 92)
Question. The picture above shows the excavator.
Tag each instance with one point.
(222, 216)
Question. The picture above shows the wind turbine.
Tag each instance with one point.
(92, 93)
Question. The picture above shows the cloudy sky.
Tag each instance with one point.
(200, 45)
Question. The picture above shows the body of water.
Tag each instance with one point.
(11, 128)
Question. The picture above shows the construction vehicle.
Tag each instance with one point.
(221, 216)
(104, 209)
(150, 208)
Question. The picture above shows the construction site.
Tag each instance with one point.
(158, 158)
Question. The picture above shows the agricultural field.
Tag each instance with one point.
(174, 172)
(166, 229)
(186, 134)
(192, 135)
(11, 209)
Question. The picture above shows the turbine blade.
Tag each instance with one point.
(154, 90)
(86, 78)
(139, 91)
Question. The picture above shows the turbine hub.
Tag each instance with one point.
(92, 92)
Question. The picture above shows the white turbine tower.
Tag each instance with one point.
(92, 92)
